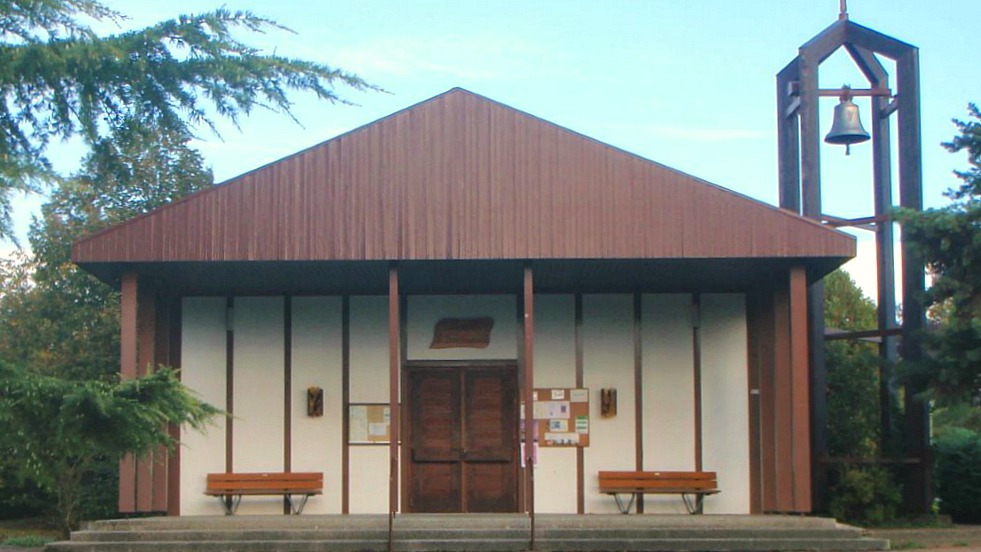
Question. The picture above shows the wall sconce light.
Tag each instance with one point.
(315, 401)
(608, 402)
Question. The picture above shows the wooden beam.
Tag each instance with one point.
(127, 367)
(174, 361)
(145, 356)
(919, 491)
(287, 391)
(580, 383)
(788, 138)
(696, 331)
(638, 391)
(229, 382)
(753, 305)
(393, 389)
(799, 388)
(782, 412)
(529, 386)
(345, 400)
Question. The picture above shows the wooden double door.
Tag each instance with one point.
(462, 438)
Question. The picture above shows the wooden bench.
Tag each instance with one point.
(692, 486)
(231, 487)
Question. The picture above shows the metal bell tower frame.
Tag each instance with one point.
(800, 191)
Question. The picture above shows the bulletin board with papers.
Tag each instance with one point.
(369, 424)
(561, 417)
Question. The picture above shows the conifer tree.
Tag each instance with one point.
(949, 239)
(60, 79)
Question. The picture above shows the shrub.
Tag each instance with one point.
(864, 495)
(958, 474)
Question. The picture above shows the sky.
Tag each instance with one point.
(686, 83)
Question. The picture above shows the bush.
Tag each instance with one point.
(958, 475)
(22, 499)
(864, 495)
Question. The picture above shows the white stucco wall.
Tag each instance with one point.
(725, 401)
(608, 361)
(258, 430)
(317, 442)
(424, 311)
(669, 400)
(555, 366)
(668, 403)
(203, 370)
(369, 349)
(369, 464)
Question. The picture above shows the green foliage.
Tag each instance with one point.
(861, 494)
(55, 317)
(853, 371)
(955, 417)
(864, 495)
(845, 306)
(949, 240)
(19, 498)
(57, 429)
(60, 79)
(958, 473)
(27, 541)
(853, 400)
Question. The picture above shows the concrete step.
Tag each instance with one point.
(413, 534)
(471, 533)
(492, 545)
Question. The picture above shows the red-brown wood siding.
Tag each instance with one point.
(754, 346)
(462, 177)
(777, 317)
(127, 367)
(146, 319)
(800, 385)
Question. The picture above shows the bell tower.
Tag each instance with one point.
(799, 140)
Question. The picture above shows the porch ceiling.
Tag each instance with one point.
(459, 277)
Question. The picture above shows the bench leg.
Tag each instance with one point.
(297, 508)
(693, 505)
(230, 503)
(625, 509)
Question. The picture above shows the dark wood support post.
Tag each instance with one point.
(919, 490)
(810, 140)
(345, 404)
(696, 343)
(394, 344)
(800, 358)
(580, 383)
(788, 138)
(145, 361)
(172, 338)
(638, 335)
(128, 336)
(529, 386)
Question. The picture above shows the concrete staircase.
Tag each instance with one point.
(471, 533)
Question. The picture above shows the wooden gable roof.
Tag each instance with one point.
(461, 177)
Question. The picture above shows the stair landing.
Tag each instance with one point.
(471, 533)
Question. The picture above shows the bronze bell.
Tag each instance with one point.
(847, 126)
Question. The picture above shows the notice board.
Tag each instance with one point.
(369, 424)
(561, 417)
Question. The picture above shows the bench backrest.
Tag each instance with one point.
(657, 480)
(295, 481)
